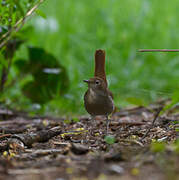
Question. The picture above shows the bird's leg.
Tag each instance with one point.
(107, 124)
(92, 123)
(92, 119)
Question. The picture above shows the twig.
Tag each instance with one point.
(31, 171)
(130, 123)
(15, 27)
(134, 141)
(40, 136)
(155, 118)
(5, 135)
(158, 50)
(38, 153)
(8, 130)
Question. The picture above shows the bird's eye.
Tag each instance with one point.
(97, 82)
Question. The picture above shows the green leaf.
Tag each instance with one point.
(3, 61)
(175, 97)
(49, 76)
(109, 139)
(177, 146)
(19, 7)
(175, 101)
(158, 147)
(135, 101)
(75, 119)
(41, 13)
(67, 121)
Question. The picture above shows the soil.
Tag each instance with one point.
(78, 148)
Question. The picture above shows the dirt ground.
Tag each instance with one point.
(77, 148)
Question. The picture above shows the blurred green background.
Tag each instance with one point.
(73, 30)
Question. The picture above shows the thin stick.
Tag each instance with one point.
(107, 124)
(155, 118)
(158, 50)
(5, 135)
(21, 21)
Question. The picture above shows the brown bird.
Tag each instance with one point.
(98, 100)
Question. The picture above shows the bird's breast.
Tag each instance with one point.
(98, 103)
(92, 97)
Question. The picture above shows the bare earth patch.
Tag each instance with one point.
(77, 148)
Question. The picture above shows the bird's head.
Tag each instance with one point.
(96, 84)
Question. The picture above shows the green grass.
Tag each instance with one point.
(80, 27)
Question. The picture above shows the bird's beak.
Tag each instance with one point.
(86, 81)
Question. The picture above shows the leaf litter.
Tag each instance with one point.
(53, 148)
